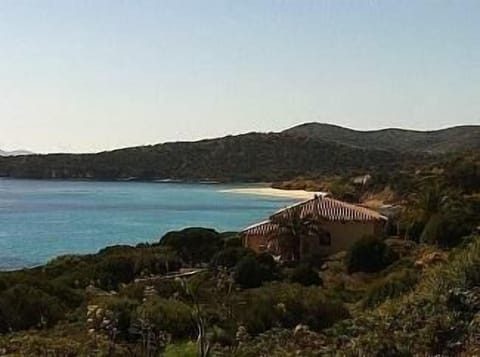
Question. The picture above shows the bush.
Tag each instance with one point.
(305, 275)
(23, 307)
(231, 240)
(229, 257)
(369, 254)
(114, 270)
(252, 271)
(314, 260)
(168, 315)
(451, 230)
(123, 310)
(393, 285)
(194, 245)
(287, 305)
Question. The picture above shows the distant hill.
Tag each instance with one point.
(308, 149)
(457, 138)
(15, 153)
(248, 157)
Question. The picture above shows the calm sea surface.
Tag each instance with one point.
(40, 220)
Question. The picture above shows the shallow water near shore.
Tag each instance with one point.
(40, 220)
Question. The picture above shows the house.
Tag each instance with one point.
(342, 224)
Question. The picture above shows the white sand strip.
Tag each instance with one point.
(275, 192)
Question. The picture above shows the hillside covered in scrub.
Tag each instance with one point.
(412, 291)
(458, 138)
(309, 149)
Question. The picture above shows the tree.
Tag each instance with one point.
(443, 214)
(304, 274)
(369, 254)
(295, 231)
(252, 271)
(194, 245)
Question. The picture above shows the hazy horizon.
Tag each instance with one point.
(82, 76)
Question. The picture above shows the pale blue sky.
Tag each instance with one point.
(92, 75)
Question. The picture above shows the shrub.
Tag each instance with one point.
(194, 245)
(252, 271)
(393, 285)
(286, 305)
(123, 310)
(168, 315)
(229, 257)
(315, 260)
(305, 275)
(231, 240)
(451, 230)
(369, 254)
(114, 270)
(23, 307)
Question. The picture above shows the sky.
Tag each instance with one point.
(85, 76)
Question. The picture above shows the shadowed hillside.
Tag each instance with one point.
(438, 141)
(308, 149)
(249, 157)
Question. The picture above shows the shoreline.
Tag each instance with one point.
(274, 192)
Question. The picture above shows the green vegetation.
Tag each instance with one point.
(369, 254)
(458, 138)
(304, 274)
(253, 271)
(198, 292)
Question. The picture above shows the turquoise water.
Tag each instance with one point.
(40, 220)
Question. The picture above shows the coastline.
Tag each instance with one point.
(274, 192)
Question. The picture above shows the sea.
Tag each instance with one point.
(43, 219)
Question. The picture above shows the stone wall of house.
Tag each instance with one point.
(343, 235)
(256, 243)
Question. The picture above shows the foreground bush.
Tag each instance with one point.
(286, 305)
(369, 254)
(23, 307)
(391, 286)
(194, 245)
(252, 271)
(168, 315)
(304, 274)
(230, 257)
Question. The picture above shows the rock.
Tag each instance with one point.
(431, 258)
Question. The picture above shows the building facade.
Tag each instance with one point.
(341, 224)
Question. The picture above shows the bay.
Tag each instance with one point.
(42, 219)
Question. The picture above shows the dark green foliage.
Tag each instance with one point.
(252, 271)
(229, 257)
(464, 172)
(193, 245)
(451, 139)
(172, 316)
(232, 241)
(286, 305)
(369, 254)
(391, 286)
(314, 260)
(23, 307)
(314, 148)
(305, 275)
(250, 157)
(113, 270)
(123, 310)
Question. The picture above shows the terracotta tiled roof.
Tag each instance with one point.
(320, 207)
(260, 229)
(331, 210)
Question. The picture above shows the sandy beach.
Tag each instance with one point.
(275, 192)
